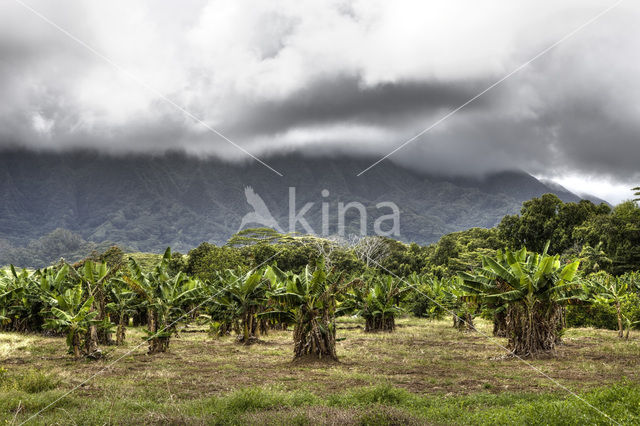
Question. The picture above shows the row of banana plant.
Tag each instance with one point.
(88, 303)
(524, 293)
(92, 302)
(56, 299)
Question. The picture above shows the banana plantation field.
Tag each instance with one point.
(424, 372)
(146, 339)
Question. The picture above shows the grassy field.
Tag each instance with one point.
(426, 372)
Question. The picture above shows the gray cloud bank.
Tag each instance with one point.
(332, 77)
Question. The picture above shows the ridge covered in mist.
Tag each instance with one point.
(149, 202)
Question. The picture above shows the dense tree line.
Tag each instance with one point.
(603, 238)
(576, 230)
(49, 248)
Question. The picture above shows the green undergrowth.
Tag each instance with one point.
(373, 405)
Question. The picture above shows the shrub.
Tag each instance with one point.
(597, 316)
(424, 307)
(602, 316)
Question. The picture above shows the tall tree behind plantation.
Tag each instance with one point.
(619, 233)
(548, 219)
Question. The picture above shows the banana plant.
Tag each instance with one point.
(465, 305)
(377, 300)
(429, 298)
(534, 287)
(245, 297)
(162, 296)
(53, 280)
(6, 292)
(308, 300)
(93, 277)
(23, 309)
(222, 319)
(605, 289)
(73, 315)
(122, 304)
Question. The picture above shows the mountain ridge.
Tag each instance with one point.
(149, 202)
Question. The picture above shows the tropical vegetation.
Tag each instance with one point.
(535, 276)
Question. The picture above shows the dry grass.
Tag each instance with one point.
(424, 357)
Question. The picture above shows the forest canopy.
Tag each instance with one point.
(605, 238)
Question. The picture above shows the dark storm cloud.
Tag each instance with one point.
(331, 77)
(584, 137)
(593, 142)
(346, 99)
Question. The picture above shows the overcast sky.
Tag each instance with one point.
(334, 77)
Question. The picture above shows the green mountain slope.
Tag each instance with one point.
(148, 202)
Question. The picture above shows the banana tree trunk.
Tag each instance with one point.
(91, 344)
(120, 332)
(249, 326)
(500, 324)
(380, 323)
(464, 322)
(619, 313)
(263, 326)
(75, 344)
(104, 337)
(245, 331)
(315, 338)
(152, 325)
(533, 328)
